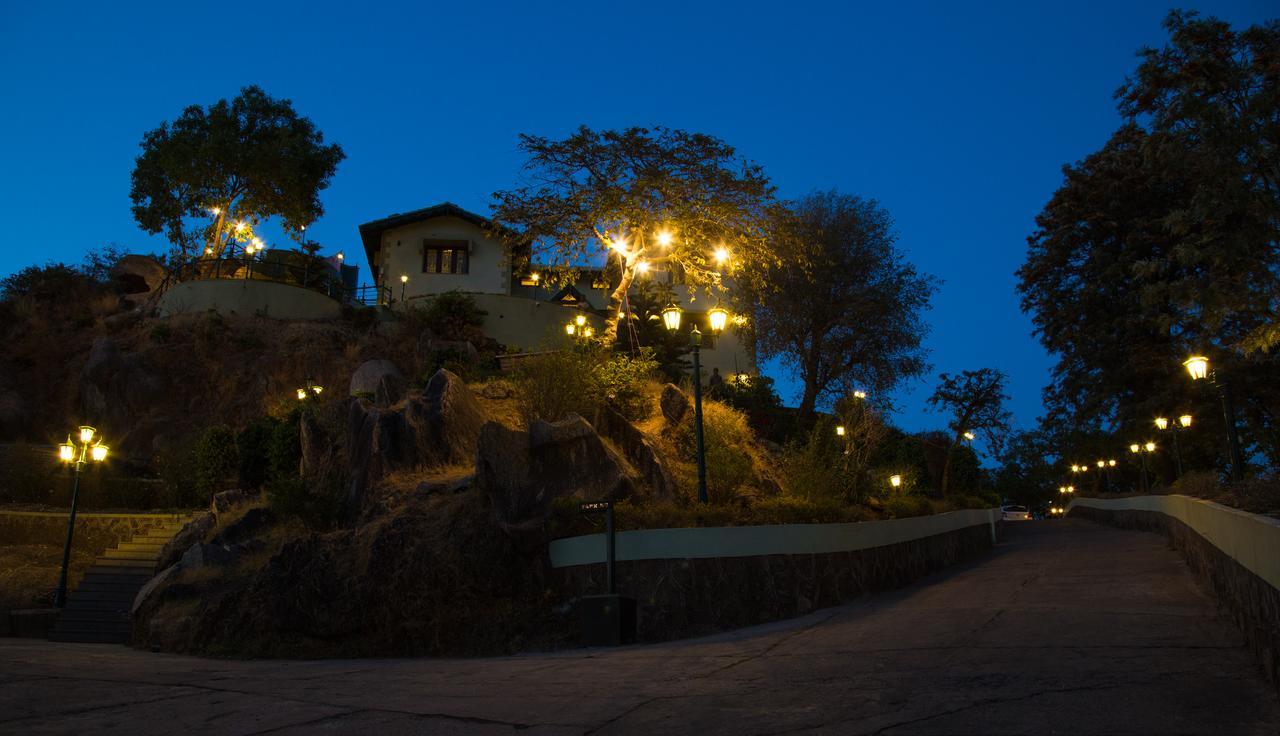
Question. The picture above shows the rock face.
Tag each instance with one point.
(674, 402)
(116, 391)
(193, 532)
(639, 451)
(438, 428)
(371, 373)
(523, 472)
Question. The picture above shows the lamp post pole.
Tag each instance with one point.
(1229, 416)
(696, 338)
(60, 598)
(68, 452)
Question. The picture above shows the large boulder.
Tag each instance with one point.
(639, 450)
(523, 472)
(135, 275)
(674, 402)
(194, 531)
(371, 374)
(438, 428)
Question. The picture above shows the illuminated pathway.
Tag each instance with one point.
(1067, 628)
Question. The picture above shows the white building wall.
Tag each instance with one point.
(401, 253)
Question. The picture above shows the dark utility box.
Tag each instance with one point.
(607, 620)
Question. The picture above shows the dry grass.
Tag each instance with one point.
(29, 574)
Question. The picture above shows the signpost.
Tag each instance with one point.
(609, 619)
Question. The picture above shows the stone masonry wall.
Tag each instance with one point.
(94, 533)
(689, 597)
(1250, 600)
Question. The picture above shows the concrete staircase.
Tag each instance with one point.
(98, 609)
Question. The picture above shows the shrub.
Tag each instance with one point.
(252, 447)
(556, 384)
(817, 469)
(622, 380)
(453, 316)
(727, 440)
(215, 460)
(903, 505)
(176, 467)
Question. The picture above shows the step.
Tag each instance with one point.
(122, 562)
(141, 546)
(112, 617)
(116, 554)
(116, 579)
(89, 637)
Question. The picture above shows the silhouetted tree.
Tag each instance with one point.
(975, 400)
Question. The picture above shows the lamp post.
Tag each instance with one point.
(1142, 451)
(311, 389)
(1184, 422)
(717, 317)
(404, 281)
(1198, 368)
(86, 449)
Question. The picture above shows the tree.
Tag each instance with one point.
(1025, 475)
(1211, 98)
(841, 306)
(1164, 243)
(214, 173)
(644, 200)
(975, 400)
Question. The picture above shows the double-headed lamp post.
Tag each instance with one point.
(88, 447)
(1142, 451)
(1184, 422)
(1198, 368)
(717, 318)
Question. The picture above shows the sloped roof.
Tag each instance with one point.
(371, 232)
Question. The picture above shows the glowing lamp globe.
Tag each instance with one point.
(969, 436)
(1185, 420)
(580, 320)
(1102, 464)
(67, 451)
(98, 453)
(1197, 366)
(840, 430)
(664, 238)
(1112, 463)
(1134, 448)
(86, 434)
(1162, 423)
(569, 329)
(1150, 447)
(302, 394)
(718, 317)
(895, 480)
(671, 317)
(859, 394)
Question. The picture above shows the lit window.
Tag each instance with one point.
(445, 256)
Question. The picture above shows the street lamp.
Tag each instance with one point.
(1184, 422)
(717, 317)
(860, 394)
(404, 281)
(840, 430)
(1198, 368)
(895, 481)
(311, 389)
(85, 450)
(1142, 451)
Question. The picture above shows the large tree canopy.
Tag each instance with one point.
(975, 400)
(214, 173)
(841, 305)
(1164, 243)
(645, 200)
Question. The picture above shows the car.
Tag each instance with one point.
(1015, 513)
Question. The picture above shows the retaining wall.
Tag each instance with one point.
(95, 533)
(695, 581)
(1235, 552)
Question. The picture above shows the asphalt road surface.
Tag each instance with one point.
(1066, 628)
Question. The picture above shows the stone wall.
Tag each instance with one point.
(688, 597)
(95, 533)
(1252, 602)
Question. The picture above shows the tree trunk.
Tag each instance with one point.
(615, 301)
(809, 399)
(946, 465)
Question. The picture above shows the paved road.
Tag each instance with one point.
(1068, 628)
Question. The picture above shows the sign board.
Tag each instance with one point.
(595, 506)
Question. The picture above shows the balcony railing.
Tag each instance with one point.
(281, 267)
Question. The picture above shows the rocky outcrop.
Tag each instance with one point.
(440, 427)
(639, 451)
(116, 392)
(373, 373)
(136, 277)
(193, 532)
(523, 472)
(674, 403)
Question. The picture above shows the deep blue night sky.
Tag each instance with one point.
(956, 118)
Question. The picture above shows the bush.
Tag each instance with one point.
(727, 439)
(176, 467)
(253, 448)
(622, 380)
(453, 316)
(816, 468)
(904, 505)
(556, 384)
(216, 461)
